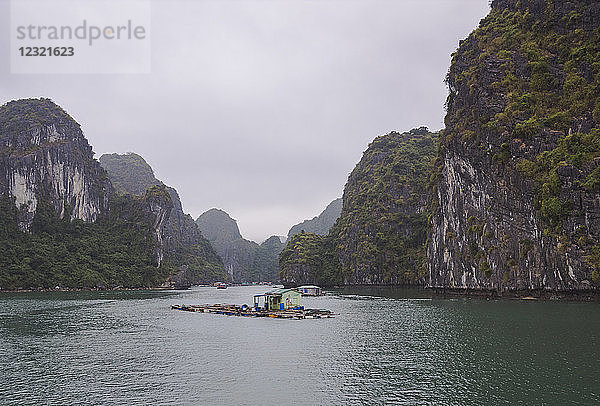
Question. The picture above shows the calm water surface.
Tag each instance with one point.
(398, 347)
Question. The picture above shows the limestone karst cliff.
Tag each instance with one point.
(45, 155)
(515, 188)
(310, 259)
(186, 249)
(517, 203)
(381, 233)
(61, 222)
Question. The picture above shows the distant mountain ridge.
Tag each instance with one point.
(320, 224)
(245, 261)
(218, 227)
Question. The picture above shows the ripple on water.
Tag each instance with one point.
(401, 347)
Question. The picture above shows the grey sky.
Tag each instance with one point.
(262, 108)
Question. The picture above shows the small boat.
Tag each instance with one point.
(222, 286)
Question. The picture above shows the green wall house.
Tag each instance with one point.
(279, 299)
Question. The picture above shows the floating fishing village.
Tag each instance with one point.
(276, 303)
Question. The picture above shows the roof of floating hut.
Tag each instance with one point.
(308, 287)
(279, 292)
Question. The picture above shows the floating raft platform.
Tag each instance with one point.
(245, 311)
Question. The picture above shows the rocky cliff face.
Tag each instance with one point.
(152, 210)
(381, 233)
(517, 204)
(320, 224)
(61, 223)
(161, 206)
(184, 246)
(45, 155)
(245, 261)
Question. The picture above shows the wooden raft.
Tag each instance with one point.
(245, 311)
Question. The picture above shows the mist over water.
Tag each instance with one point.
(385, 346)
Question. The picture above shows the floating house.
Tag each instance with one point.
(310, 290)
(278, 299)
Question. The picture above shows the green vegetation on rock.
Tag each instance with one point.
(520, 152)
(117, 250)
(21, 115)
(71, 230)
(382, 232)
(381, 235)
(187, 252)
(548, 75)
(129, 173)
(310, 258)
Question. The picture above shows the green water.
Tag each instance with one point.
(400, 347)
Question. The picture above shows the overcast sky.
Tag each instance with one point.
(262, 108)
